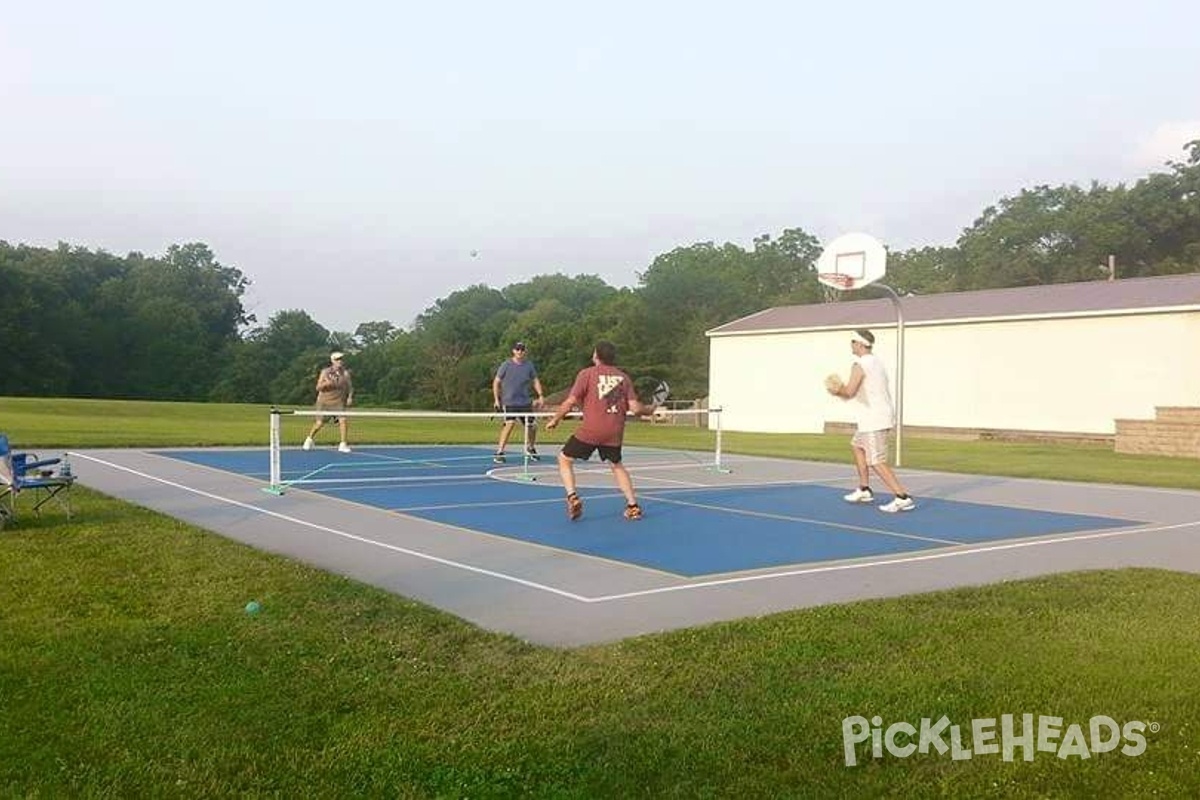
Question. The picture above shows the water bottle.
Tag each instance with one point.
(64, 469)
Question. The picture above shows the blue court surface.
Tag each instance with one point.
(697, 522)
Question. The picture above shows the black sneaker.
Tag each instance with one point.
(532, 453)
(499, 458)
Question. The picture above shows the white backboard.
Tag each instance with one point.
(852, 261)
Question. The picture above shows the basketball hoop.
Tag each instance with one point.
(837, 280)
(851, 261)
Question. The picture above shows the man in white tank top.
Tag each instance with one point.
(867, 391)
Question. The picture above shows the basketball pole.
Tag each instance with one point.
(895, 298)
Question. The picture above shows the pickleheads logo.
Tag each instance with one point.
(1101, 734)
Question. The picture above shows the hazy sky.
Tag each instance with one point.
(349, 157)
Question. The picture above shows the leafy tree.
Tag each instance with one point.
(374, 334)
(389, 374)
(928, 270)
(782, 271)
(254, 367)
(1160, 222)
(693, 289)
(1026, 240)
(36, 360)
(216, 290)
(456, 335)
(577, 293)
(1065, 233)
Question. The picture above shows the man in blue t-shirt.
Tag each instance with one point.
(510, 393)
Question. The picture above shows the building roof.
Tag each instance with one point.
(1091, 298)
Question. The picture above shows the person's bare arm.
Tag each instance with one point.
(640, 409)
(563, 409)
(852, 386)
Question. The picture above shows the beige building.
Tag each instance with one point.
(1065, 358)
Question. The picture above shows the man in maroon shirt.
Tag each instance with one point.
(605, 395)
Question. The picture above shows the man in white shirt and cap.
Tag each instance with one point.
(875, 414)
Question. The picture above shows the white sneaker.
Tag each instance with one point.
(899, 504)
(860, 496)
(308, 443)
(343, 448)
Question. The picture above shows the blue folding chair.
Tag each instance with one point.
(25, 471)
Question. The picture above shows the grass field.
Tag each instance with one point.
(60, 424)
(130, 668)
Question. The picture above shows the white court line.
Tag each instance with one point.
(1066, 539)
(750, 484)
(884, 562)
(789, 518)
(337, 491)
(493, 504)
(457, 506)
(387, 480)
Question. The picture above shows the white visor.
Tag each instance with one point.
(855, 337)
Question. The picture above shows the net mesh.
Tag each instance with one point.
(387, 447)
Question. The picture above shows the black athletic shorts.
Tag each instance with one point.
(583, 451)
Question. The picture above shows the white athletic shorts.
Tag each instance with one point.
(874, 444)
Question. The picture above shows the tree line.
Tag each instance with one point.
(82, 323)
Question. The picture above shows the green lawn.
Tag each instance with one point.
(60, 424)
(128, 666)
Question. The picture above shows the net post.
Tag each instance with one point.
(530, 424)
(525, 474)
(717, 466)
(274, 458)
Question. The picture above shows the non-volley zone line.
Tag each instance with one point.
(387, 480)
(756, 577)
